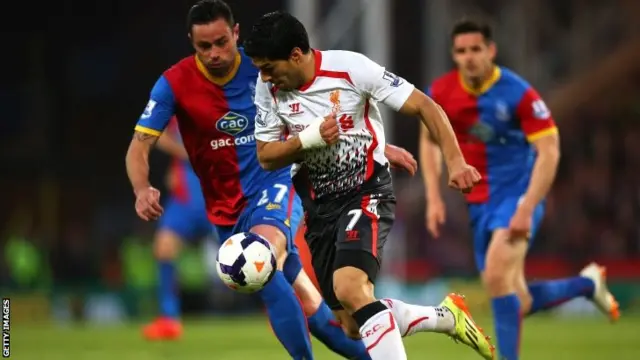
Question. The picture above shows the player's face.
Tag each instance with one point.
(285, 74)
(473, 55)
(216, 45)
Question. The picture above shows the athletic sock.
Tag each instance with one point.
(549, 294)
(286, 317)
(380, 332)
(415, 318)
(507, 320)
(168, 297)
(324, 327)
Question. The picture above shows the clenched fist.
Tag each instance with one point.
(463, 176)
(329, 130)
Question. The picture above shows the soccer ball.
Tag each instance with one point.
(246, 262)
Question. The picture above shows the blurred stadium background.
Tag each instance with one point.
(77, 263)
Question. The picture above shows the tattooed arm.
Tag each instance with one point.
(152, 122)
(137, 159)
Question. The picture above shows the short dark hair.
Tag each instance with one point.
(275, 35)
(206, 11)
(468, 25)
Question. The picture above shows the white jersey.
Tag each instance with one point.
(349, 85)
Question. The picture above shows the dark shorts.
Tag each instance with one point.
(348, 231)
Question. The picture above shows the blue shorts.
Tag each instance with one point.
(276, 204)
(486, 218)
(187, 219)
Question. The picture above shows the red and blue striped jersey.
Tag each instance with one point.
(216, 121)
(495, 126)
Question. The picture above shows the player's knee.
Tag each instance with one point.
(348, 324)
(166, 245)
(526, 300)
(497, 281)
(276, 238)
(352, 288)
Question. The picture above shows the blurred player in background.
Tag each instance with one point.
(184, 219)
(506, 131)
(326, 102)
(211, 95)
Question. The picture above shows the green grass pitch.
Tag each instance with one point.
(251, 338)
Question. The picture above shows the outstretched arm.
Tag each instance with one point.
(149, 128)
(436, 123)
(400, 95)
(430, 164)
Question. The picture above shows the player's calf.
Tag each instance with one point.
(166, 246)
(352, 288)
(322, 323)
(283, 308)
(504, 256)
(375, 322)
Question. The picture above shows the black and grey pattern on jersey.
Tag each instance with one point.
(341, 167)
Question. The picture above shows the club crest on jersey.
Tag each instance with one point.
(502, 111)
(334, 97)
(232, 123)
(482, 131)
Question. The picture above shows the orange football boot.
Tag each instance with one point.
(163, 328)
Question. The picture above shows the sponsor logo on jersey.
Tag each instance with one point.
(393, 79)
(148, 110)
(272, 206)
(247, 140)
(232, 123)
(540, 110)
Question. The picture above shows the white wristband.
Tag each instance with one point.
(310, 137)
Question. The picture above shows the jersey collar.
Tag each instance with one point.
(220, 81)
(318, 65)
(495, 76)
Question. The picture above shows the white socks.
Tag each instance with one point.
(414, 318)
(383, 324)
(382, 338)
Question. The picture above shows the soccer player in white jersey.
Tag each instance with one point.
(325, 103)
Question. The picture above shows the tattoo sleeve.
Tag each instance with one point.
(145, 138)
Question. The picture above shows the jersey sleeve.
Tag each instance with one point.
(159, 109)
(268, 127)
(535, 118)
(379, 83)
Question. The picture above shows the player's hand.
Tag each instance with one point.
(463, 176)
(520, 224)
(436, 216)
(400, 158)
(329, 130)
(148, 204)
